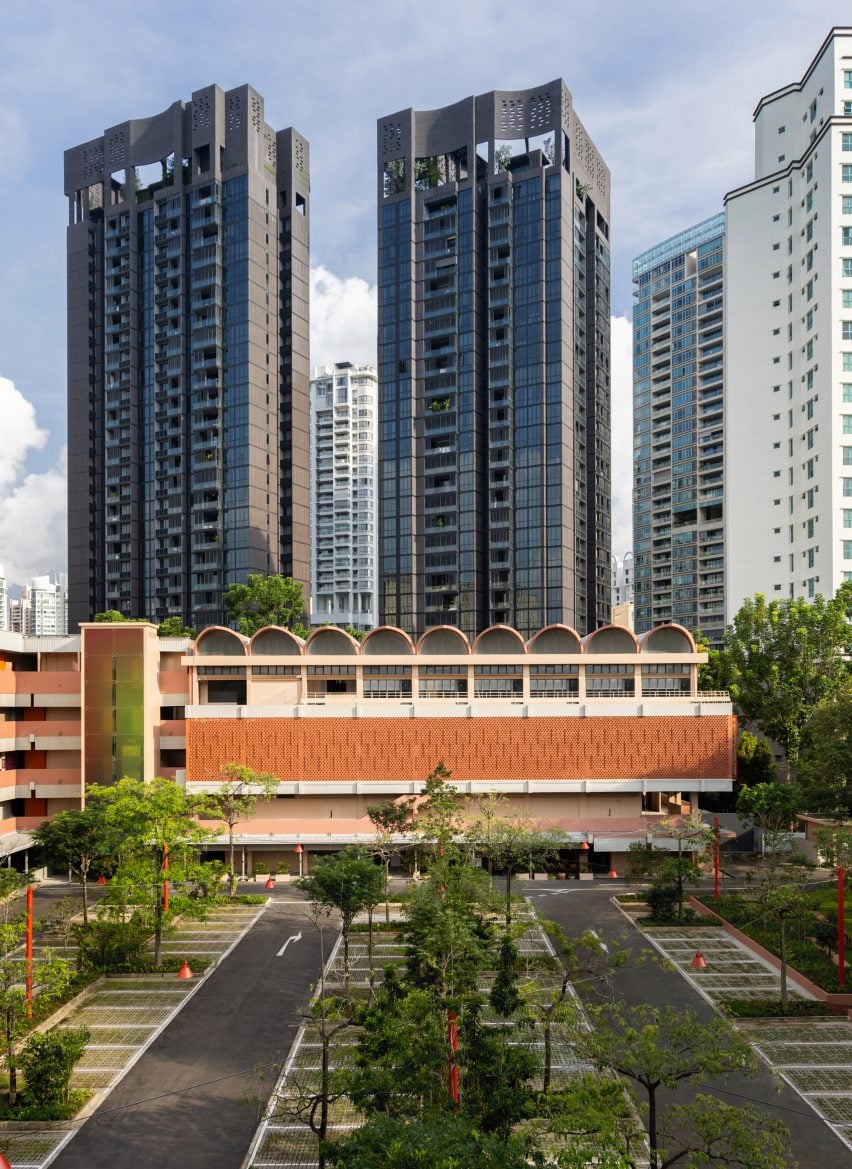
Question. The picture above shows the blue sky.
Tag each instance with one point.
(665, 89)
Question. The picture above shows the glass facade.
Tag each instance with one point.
(188, 421)
(678, 445)
(494, 443)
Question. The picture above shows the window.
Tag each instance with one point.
(847, 456)
(846, 236)
(846, 143)
(846, 298)
(847, 362)
(846, 421)
(847, 78)
(846, 267)
(846, 202)
(847, 487)
(847, 109)
(846, 388)
(847, 517)
(846, 330)
(846, 172)
(847, 549)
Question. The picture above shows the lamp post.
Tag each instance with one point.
(298, 851)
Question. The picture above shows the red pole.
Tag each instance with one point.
(452, 1067)
(166, 880)
(841, 928)
(716, 857)
(29, 951)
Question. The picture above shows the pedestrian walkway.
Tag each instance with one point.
(125, 1014)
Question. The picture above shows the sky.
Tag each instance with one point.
(666, 89)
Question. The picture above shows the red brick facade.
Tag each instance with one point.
(602, 747)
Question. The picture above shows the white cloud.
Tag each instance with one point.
(32, 506)
(343, 319)
(621, 356)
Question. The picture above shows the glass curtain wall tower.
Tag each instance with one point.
(188, 366)
(678, 422)
(494, 365)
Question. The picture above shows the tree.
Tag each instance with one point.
(589, 1121)
(825, 763)
(716, 673)
(445, 932)
(780, 894)
(78, 839)
(438, 815)
(788, 655)
(505, 997)
(774, 806)
(755, 761)
(496, 1073)
(509, 842)
(175, 627)
(400, 1066)
(50, 976)
(48, 1061)
(266, 600)
(660, 1047)
(580, 960)
(390, 818)
(709, 1134)
(111, 616)
(309, 1101)
(349, 882)
(442, 1142)
(235, 800)
(155, 822)
(690, 831)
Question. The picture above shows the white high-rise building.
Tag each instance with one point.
(622, 578)
(4, 602)
(48, 606)
(344, 486)
(788, 330)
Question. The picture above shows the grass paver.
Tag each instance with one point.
(123, 1013)
(815, 1057)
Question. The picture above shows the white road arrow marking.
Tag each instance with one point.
(292, 938)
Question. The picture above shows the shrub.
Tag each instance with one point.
(771, 1008)
(662, 903)
(106, 945)
(48, 1061)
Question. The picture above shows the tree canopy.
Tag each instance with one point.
(266, 600)
(825, 760)
(175, 627)
(786, 656)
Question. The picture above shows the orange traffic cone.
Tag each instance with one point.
(185, 971)
(612, 873)
(270, 882)
(699, 962)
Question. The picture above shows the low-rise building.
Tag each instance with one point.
(598, 736)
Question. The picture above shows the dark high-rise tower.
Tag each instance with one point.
(188, 364)
(494, 370)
